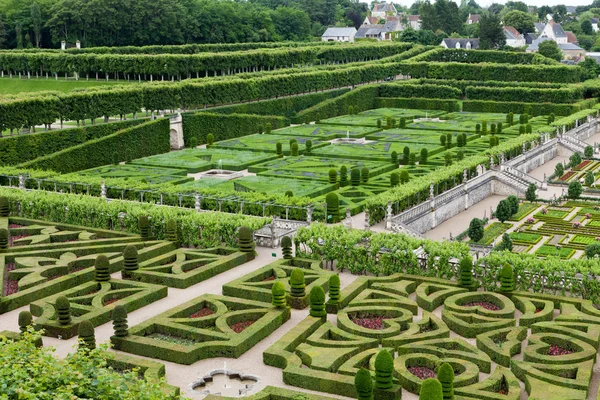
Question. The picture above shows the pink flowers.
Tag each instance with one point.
(545, 211)
(422, 372)
(597, 238)
(241, 326)
(576, 225)
(530, 220)
(588, 216)
(374, 322)
(556, 350)
(11, 286)
(485, 304)
(202, 313)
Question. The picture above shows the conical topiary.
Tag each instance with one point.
(297, 283)
(334, 289)
(102, 273)
(130, 261)
(466, 273)
(364, 384)
(63, 310)
(317, 302)
(4, 206)
(3, 239)
(507, 280)
(245, 240)
(171, 232)
(119, 317)
(333, 207)
(278, 293)
(384, 370)
(87, 337)
(431, 389)
(445, 374)
(25, 320)
(286, 247)
(144, 226)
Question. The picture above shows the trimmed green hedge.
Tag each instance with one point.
(484, 56)
(528, 95)
(125, 145)
(430, 91)
(417, 103)
(362, 98)
(518, 107)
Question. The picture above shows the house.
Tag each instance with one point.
(571, 10)
(335, 34)
(513, 37)
(570, 50)
(467, 44)
(551, 30)
(529, 37)
(414, 21)
(473, 19)
(388, 31)
(571, 38)
(594, 22)
(371, 20)
(382, 10)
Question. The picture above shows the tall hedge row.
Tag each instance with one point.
(125, 145)
(420, 90)
(518, 107)
(225, 127)
(484, 56)
(21, 148)
(414, 103)
(463, 85)
(529, 95)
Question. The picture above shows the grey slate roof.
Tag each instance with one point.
(558, 30)
(539, 27)
(451, 43)
(335, 32)
(563, 46)
(370, 30)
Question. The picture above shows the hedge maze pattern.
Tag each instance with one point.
(424, 322)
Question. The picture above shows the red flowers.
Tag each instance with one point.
(556, 350)
(241, 326)
(422, 372)
(374, 322)
(202, 313)
(485, 304)
(11, 286)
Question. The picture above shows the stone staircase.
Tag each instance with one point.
(573, 144)
(522, 177)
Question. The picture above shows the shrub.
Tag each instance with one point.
(297, 283)
(424, 155)
(499, 130)
(531, 193)
(513, 201)
(317, 302)
(521, 129)
(393, 122)
(268, 127)
(332, 176)
(506, 244)
(294, 149)
(130, 261)
(445, 375)
(286, 246)
(592, 249)
(404, 176)
(193, 143)
(25, 320)
(405, 155)
(364, 175)
(394, 179)
(528, 128)
(364, 384)
(460, 155)
(171, 232)
(459, 141)
(559, 170)
(350, 110)
(503, 211)
(510, 118)
(87, 338)
(144, 226)
(63, 310)
(210, 140)
(447, 159)
(308, 147)
(102, 271)
(475, 231)
(588, 152)
(355, 176)
(3, 238)
(443, 140)
(343, 176)
(395, 158)
(388, 122)
(278, 294)
(478, 129)
(551, 118)
(378, 122)
(4, 206)
(507, 280)
(483, 127)
(384, 370)
(279, 149)
(403, 122)
(575, 160)
(333, 207)
(575, 190)
(119, 317)
(431, 389)
(590, 178)
(449, 140)
(466, 273)
(493, 129)
(334, 288)
(245, 240)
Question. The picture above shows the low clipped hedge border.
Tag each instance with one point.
(518, 107)
(418, 103)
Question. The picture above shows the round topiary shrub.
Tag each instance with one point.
(507, 279)
(395, 158)
(130, 261)
(63, 310)
(466, 273)
(364, 384)
(210, 139)
(378, 122)
(171, 232)
(317, 302)
(394, 179)
(343, 176)
(297, 283)
(286, 246)
(278, 294)
(364, 175)
(333, 207)
(102, 271)
(332, 176)
(334, 289)
(144, 226)
(431, 389)
(294, 149)
(289, 193)
(355, 177)
(193, 143)
(268, 128)
(3, 238)
(445, 375)
(87, 337)
(384, 370)
(308, 146)
(404, 176)
(279, 149)
(119, 317)
(25, 320)
(403, 122)
(4, 206)
(245, 240)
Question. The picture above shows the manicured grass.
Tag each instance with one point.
(547, 250)
(16, 85)
(370, 117)
(525, 237)
(524, 210)
(139, 173)
(493, 231)
(581, 239)
(325, 132)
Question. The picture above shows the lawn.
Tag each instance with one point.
(268, 143)
(369, 118)
(380, 151)
(325, 132)
(524, 237)
(562, 252)
(139, 173)
(493, 231)
(15, 85)
(524, 210)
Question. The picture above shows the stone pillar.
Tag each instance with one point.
(388, 216)
(78, 44)
(309, 212)
(103, 191)
(21, 182)
(197, 205)
(367, 220)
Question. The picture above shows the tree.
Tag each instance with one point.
(395, 158)
(589, 178)
(507, 279)
(588, 152)
(343, 176)
(491, 32)
(586, 27)
(503, 211)
(475, 231)
(171, 232)
(102, 268)
(466, 273)
(543, 12)
(36, 20)
(364, 384)
(575, 160)
(332, 176)
(521, 21)
(447, 159)
(575, 190)
(404, 176)
(517, 5)
(297, 283)
(334, 289)
(245, 240)
(130, 261)
(424, 155)
(355, 176)
(2, 33)
(278, 295)
(592, 250)
(559, 170)
(531, 194)
(431, 389)
(286, 247)
(445, 375)
(384, 370)
(119, 317)
(506, 243)
(405, 155)
(364, 175)
(394, 179)
(87, 337)
(550, 49)
(513, 201)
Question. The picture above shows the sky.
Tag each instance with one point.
(484, 3)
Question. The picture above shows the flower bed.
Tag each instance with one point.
(485, 304)
(555, 350)
(422, 372)
(11, 286)
(204, 312)
(241, 326)
(369, 321)
(567, 176)
(582, 165)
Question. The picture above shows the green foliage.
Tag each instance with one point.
(194, 143)
(268, 127)
(395, 158)
(297, 283)
(443, 140)
(424, 156)
(278, 294)
(364, 175)
(507, 279)
(308, 147)
(525, 94)
(334, 288)
(317, 302)
(394, 179)
(402, 122)
(378, 122)
(484, 127)
(513, 201)
(531, 193)
(119, 318)
(25, 321)
(130, 261)
(364, 384)
(286, 247)
(428, 91)
(384, 370)
(171, 230)
(355, 176)
(4, 238)
(506, 244)
(87, 337)
(332, 176)
(466, 273)
(445, 375)
(559, 170)
(4, 207)
(588, 152)
(412, 159)
(289, 193)
(575, 189)
(343, 176)
(431, 389)
(144, 226)
(592, 250)
(333, 207)
(210, 140)
(294, 149)
(246, 240)
(102, 269)
(550, 49)
(279, 149)
(503, 211)
(404, 176)
(405, 155)
(590, 178)
(475, 231)
(63, 310)
(478, 129)
(447, 159)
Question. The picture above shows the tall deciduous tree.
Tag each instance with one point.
(550, 49)
(491, 33)
(519, 20)
(36, 20)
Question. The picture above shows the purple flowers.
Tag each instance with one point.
(422, 372)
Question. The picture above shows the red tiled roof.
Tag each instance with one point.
(571, 38)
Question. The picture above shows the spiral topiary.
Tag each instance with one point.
(87, 337)
(171, 232)
(297, 283)
(364, 175)
(4, 206)
(286, 246)
(332, 176)
(466, 273)
(25, 320)
(63, 310)
(333, 207)
(384, 370)
(395, 158)
(279, 149)
(334, 288)
(278, 294)
(3, 238)
(445, 374)
(130, 261)
(144, 226)
(343, 176)
(507, 279)
(355, 177)
(245, 240)
(431, 389)
(119, 317)
(102, 271)
(364, 384)
(294, 149)
(317, 302)
(308, 147)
